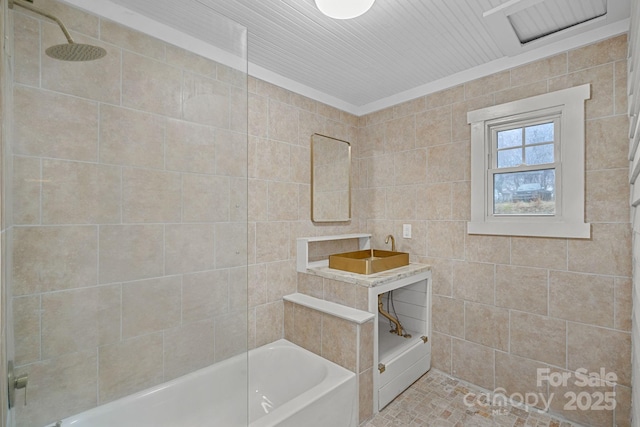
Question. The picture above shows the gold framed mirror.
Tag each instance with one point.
(330, 179)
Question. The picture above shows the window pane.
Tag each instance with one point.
(539, 133)
(525, 193)
(510, 138)
(510, 158)
(539, 154)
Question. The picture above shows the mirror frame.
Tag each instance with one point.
(313, 179)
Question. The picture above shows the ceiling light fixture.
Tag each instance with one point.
(344, 9)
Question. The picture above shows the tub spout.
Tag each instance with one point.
(393, 242)
(398, 330)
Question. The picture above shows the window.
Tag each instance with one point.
(527, 166)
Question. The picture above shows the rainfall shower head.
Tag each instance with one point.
(75, 52)
(70, 51)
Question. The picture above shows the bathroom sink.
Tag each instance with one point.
(368, 261)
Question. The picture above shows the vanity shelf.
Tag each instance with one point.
(302, 249)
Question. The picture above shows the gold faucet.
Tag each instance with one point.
(393, 242)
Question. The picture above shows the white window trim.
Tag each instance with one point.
(569, 219)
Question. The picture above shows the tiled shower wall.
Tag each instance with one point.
(505, 306)
(502, 306)
(129, 212)
(280, 127)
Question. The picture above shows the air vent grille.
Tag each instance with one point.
(551, 16)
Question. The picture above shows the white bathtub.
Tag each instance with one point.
(288, 386)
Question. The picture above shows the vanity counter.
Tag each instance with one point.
(369, 280)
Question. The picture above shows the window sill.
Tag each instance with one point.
(566, 230)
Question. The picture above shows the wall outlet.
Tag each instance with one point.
(406, 231)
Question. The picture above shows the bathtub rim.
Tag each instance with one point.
(335, 373)
(336, 376)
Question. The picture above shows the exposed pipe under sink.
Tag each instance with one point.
(399, 330)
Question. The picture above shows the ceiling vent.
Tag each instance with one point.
(551, 16)
(519, 25)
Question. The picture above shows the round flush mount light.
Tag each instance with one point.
(344, 9)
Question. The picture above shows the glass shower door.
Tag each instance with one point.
(125, 202)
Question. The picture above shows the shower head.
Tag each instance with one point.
(70, 51)
(75, 52)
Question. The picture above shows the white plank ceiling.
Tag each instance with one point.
(398, 45)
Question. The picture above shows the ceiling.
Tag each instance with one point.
(399, 49)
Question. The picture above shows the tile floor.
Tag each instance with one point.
(437, 400)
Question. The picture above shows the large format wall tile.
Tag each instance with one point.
(80, 193)
(522, 288)
(267, 316)
(448, 316)
(54, 258)
(161, 95)
(131, 138)
(519, 375)
(26, 46)
(130, 208)
(493, 249)
(132, 40)
(541, 69)
(150, 305)
(27, 183)
(205, 101)
(190, 147)
(339, 342)
(129, 366)
(612, 352)
(80, 320)
(205, 198)
(486, 325)
(49, 124)
(26, 319)
(582, 298)
(433, 127)
(150, 196)
(205, 295)
(130, 252)
(231, 334)
(189, 248)
(473, 362)
(474, 282)
(539, 338)
(607, 252)
(188, 348)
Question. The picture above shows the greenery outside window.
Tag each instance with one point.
(527, 167)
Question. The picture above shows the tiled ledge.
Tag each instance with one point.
(342, 311)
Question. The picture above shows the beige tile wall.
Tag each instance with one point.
(280, 127)
(129, 211)
(345, 343)
(506, 306)
(411, 165)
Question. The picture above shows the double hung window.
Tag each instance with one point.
(527, 167)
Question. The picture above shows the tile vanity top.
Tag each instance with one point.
(369, 280)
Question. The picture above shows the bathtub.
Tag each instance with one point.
(288, 386)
